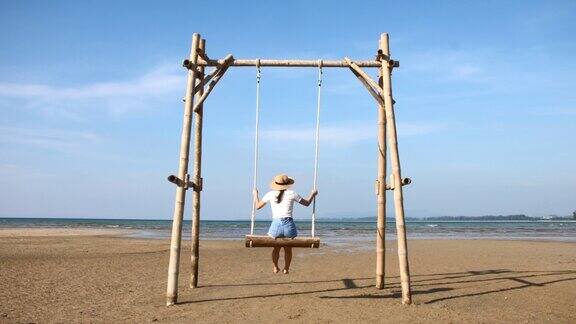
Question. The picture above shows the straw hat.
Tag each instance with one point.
(281, 182)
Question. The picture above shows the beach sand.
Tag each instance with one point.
(70, 276)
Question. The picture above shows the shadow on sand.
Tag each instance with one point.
(433, 285)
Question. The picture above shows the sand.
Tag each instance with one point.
(86, 276)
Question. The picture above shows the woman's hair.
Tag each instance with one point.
(280, 195)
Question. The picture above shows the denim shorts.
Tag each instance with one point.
(283, 227)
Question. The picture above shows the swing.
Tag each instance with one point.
(300, 241)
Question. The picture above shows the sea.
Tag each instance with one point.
(331, 232)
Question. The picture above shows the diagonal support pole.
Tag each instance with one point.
(217, 76)
(365, 79)
(365, 76)
(209, 77)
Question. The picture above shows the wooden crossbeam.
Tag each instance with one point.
(217, 76)
(288, 63)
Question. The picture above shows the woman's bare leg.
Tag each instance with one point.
(287, 258)
(275, 257)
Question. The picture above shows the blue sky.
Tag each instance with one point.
(91, 105)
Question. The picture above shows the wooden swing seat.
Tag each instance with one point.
(267, 241)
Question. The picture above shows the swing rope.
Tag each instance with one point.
(256, 142)
(316, 140)
(255, 184)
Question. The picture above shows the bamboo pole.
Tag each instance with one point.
(396, 172)
(197, 176)
(288, 63)
(221, 70)
(377, 88)
(381, 195)
(206, 78)
(173, 266)
(373, 92)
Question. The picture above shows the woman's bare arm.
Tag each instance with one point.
(307, 202)
(257, 202)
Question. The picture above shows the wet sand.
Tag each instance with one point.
(97, 276)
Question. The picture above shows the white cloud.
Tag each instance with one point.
(156, 82)
(448, 65)
(46, 138)
(416, 129)
(332, 134)
(464, 70)
(115, 96)
(552, 111)
(345, 134)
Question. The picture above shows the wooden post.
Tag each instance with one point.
(197, 176)
(396, 173)
(173, 266)
(381, 195)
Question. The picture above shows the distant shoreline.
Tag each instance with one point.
(344, 219)
(350, 246)
(338, 232)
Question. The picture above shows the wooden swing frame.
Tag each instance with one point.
(198, 88)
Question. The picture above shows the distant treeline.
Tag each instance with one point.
(486, 217)
(519, 217)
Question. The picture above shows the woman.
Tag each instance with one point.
(282, 201)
